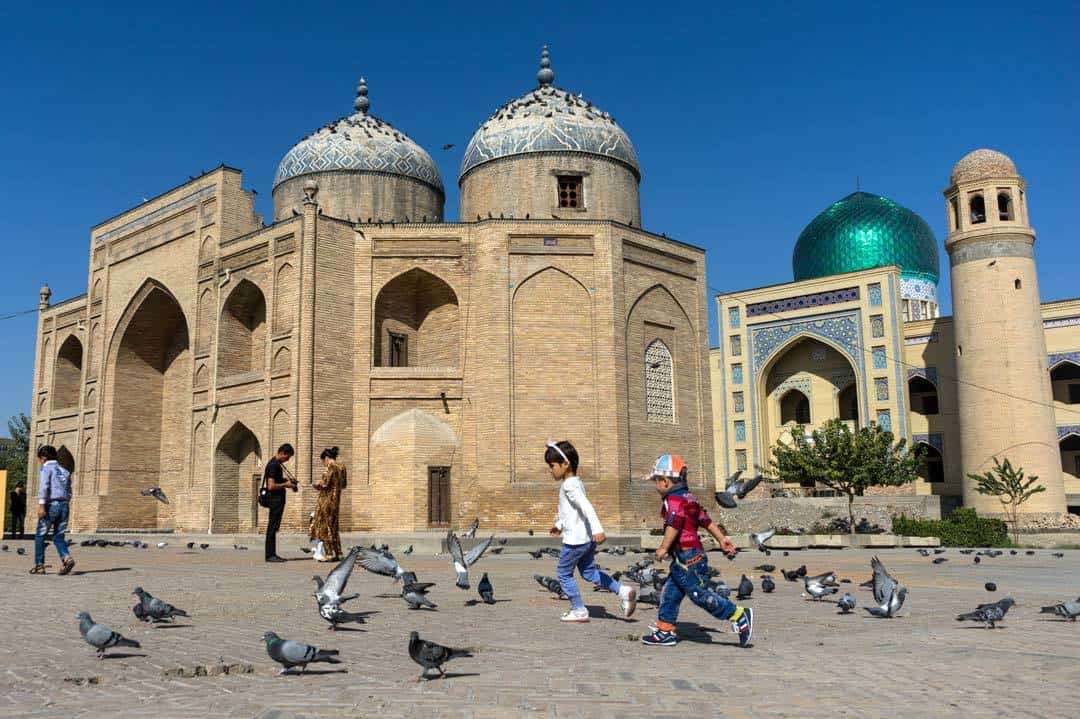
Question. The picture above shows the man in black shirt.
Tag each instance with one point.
(276, 483)
(18, 510)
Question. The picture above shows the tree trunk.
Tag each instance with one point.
(851, 512)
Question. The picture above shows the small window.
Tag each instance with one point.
(399, 350)
(736, 345)
(978, 210)
(740, 460)
(1017, 284)
(1005, 206)
(959, 350)
(570, 191)
(907, 310)
(1074, 394)
(438, 496)
(924, 311)
(955, 204)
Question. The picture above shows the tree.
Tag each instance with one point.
(846, 461)
(1009, 486)
(16, 452)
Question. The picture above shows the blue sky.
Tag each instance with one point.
(748, 121)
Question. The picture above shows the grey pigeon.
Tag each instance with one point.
(1059, 555)
(487, 592)
(552, 585)
(536, 555)
(463, 561)
(767, 584)
(990, 587)
(765, 568)
(1066, 610)
(415, 594)
(759, 539)
(988, 614)
(191, 545)
(889, 596)
(155, 610)
(333, 613)
(407, 551)
(726, 500)
(746, 588)
(846, 603)
(4, 547)
(470, 533)
(430, 655)
(380, 562)
(1030, 552)
(155, 492)
(101, 637)
(977, 559)
(940, 560)
(891, 605)
(924, 552)
(741, 487)
(20, 551)
(330, 591)
(204, 546)
(942, 551)
(821, 585)
(720, 588)
(291, 654)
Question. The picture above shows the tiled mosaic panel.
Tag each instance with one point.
(884, 420)
(737, 401)
(659, 384)
(881, 389)
(847, 294)
(878, 354)
(843, 330)
(874, 291)
(740, 431)
(877, 326)
(736, 374)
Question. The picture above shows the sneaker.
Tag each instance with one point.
(744, 627)
(660, 638)
(576, 615)
(627, 600)
(274, 559)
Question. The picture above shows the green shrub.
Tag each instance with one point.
(962, 528)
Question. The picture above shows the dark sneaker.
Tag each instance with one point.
(744, 627)
(660, 638)
(69, 564)
(274, 559)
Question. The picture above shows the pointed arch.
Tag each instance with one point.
(206, 249)
(84, 481)
(659, 383)
(202, 376)
(1065, 381)
(282, 360)
(199, 445)
(46, 355)
(242, 331)
(285, 293)
(236, 460)
(924, 395)
(281, 429)
(932, 465)
(417, 322)
(95, 293)
(67, 375)
(205, 321)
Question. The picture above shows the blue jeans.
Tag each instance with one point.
(691, 581)
(56, 519)
(583, 558)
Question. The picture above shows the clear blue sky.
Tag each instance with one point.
(747, 121)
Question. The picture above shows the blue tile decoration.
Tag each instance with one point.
(881, 388)
(1053, 360)
(877, 326)
(1064, 431)
(884, 420)
(915, 288)
(740, 431)
(933, 439)
(847, 294)
(921, 339)
(1061, 322)
(733, 317)
(874, 291)
(927, 373)
(879, 360)
(800, 383)
(842, 330)
(736, 374)
(737, 402)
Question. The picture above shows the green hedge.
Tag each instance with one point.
(962, 528)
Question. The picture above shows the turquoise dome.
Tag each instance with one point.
(862, 231)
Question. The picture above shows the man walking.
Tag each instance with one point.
(17, 504)
(54, 496)
(275, 482)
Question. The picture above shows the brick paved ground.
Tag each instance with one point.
(807, 660)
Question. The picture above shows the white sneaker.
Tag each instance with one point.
(627, 599)
(320, 553)
(576, 615)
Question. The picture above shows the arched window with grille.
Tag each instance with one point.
(659, 383)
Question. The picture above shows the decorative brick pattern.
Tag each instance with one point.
(659, 384)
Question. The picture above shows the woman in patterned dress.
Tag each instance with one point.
(324, 527)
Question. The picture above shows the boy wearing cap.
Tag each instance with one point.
(689, 565)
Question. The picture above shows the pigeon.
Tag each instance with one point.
(966, 551)
(191, 545)
(977, 559)
(407, 551)
(530, 533)
(1059, 555)
(305, 550)
(536, 555)
(4, 547)
(785, 552)
(162, 545)
(470, 533)
(155, 492)
(330, 591)
(846, 603)
(767, 584)
(794, 575)
(379, 562)
(20, 551)
(765, 568)
(487, 592)
(889, 596)
(333, 613)
(101, 637)
(726, 500)
(759, 539)
(463, 561)
(721, 588)
(940, 560)
(739, 488)
(430, 655)
(204, 546)
(1013, 552)
(501, 542)
(1066, 610)
(820, 585)
(990, 587)
(939, 551)
(415, 594)
(746, 588)
(291, 654)
(552, 585)
(1030, 552)
(988, 614)
(155, 610)
(924, 552)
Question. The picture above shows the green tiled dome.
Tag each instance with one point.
(862, 231)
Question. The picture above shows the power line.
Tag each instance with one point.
(941, 375)
(13, 315)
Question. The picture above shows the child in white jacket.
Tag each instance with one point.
(581, 531)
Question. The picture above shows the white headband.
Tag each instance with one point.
(551, 443)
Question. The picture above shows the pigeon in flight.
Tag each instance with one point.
(889, 596)
(767, 584)
(745, 589)
(291, 654)
(552, 585)
(1066, 610)
(156, 492)
(101, 637)
(470, 533)
(380, 562)
(155, 610)
(759, 539)
(487, 592)
(330, 591)
(430, 655)
(415, 595)
(333, 613)
(821, 585)
(463, 561)
(988, 614)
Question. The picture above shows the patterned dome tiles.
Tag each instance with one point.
(983, 163)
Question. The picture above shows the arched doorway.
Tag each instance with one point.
(794, 408)
(1070, 460)
(67, 376)
(1065, 380)
(242, 339)
(924, 396)
(847, 402)
(932, 466)
(415, 453)
(236, 479)
(416, 322)
(150, 360)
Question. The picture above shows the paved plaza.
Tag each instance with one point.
(807, 660)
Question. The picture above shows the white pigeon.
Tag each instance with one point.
(463, 561)
(162, 545)
(329, 592)
(759, 539)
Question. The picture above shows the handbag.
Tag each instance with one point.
(264, 494)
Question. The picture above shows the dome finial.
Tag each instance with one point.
(362, 103)
(546, 75)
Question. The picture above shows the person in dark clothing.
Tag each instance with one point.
(17, 504)
(276, 484)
